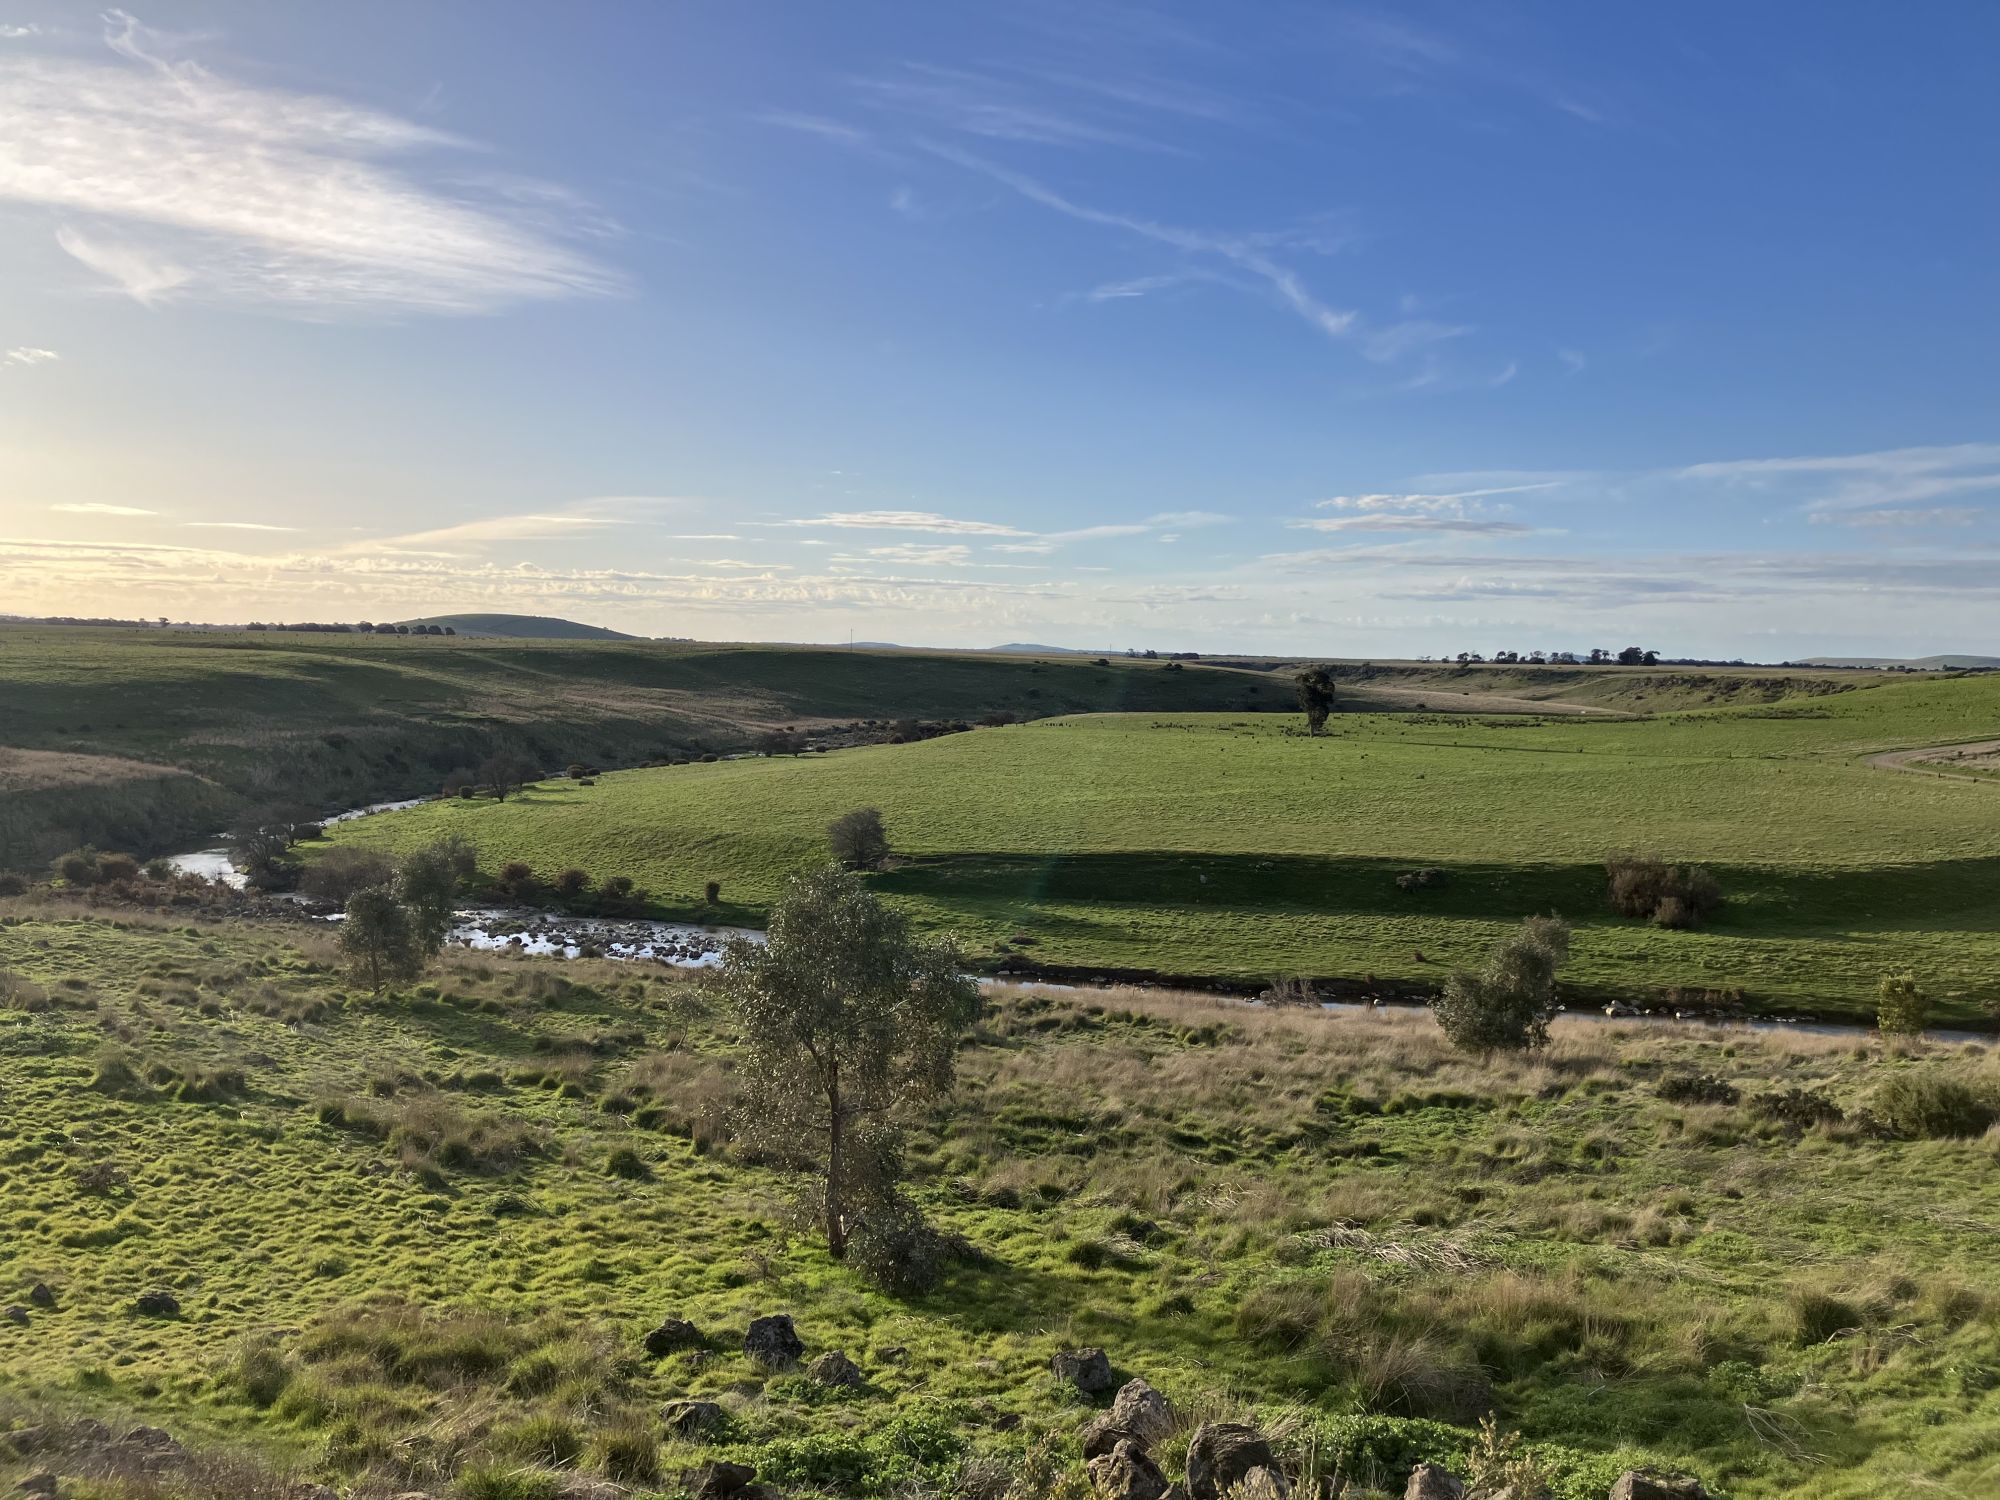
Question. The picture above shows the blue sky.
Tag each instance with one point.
(1358, 330)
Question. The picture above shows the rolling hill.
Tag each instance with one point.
(523, 627)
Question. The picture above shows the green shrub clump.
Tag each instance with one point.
(1928, 1104)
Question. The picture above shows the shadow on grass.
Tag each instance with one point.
(1760, 901)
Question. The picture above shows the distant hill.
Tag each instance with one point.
(1919, 663)
(531, 627)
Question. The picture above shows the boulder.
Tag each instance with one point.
(42, 1486)
(1127, 1473)
(773, 1342)
(18, 1316)
(1086, 1369)
(720, 1481)
(1636, 1484)
(1143, 1412)
(585, 1487)
(153, 1448)
(41, 1296)
(23, 1440)
(312, 1492)
(835, 1368)
(692, 1419)
(1429, 1482)
(1221, 1454)
(1264, 1484)
(673, 1335)
(157, 1304)
(1102, 1433)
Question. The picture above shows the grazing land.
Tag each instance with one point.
(322, 721)
(1232, 846)
(417, 1240)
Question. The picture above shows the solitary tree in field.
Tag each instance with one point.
(1902, 1008)
(427, 887)
(1316, 696)
(858, 839)
(849, 1026)
(1508, 1005)
(507, 771)
(378, 938)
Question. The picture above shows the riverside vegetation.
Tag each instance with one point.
(498, 1233)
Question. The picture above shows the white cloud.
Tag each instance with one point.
(492, 529)
(24, 355)
(907, 520)
(1187, 518)
(237, 526)
(94, 508)
(1393, 522)
(1573, 360)
(1944, 515)
(944, 554)
(173, 181)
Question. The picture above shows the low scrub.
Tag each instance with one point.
(1677, 896)
(1930, 1104)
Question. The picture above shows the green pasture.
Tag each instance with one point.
(1233, 846)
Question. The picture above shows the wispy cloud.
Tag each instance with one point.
(1944, 515)
(533, 527)
(24, 355)
(1573, 360)
(175, 182)
(237, 526)
(906, 520)
(96, 508)
(1471, 525)
(942, 554)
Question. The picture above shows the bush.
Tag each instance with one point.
(1902, 1008)
(1679, 896)
(859, 840)
(1801, 1109)
(1818, 1316)
(113, 867)
(1507, 1007)
(12, 884)
(629, 1164)
(518, 877)
(712, 892)
(1422, 880)
(1698, 1088)
(1926, 1104)
(572, 883)
(77, 868)
(341, 871)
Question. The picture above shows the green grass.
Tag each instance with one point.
(408, 1248)
(329, 721)
(1225, 846)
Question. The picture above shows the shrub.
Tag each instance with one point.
(12, 884)
(1902, 1008)
(858, 839)
(712, 892)
(572, 883)
(1507, 1007)
(629, 1164)
(518, 877)
(1681, 896)
(1801, 1109)
(78, 867)
(343, 870)
(1818, 1316)
(1422, 880)
(1698, 1088)
(112, 867)
(1929, 1105)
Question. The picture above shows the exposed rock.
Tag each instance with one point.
(312, 1492)
(1429, 1482)
(41, 1485)
(23, 1440)
(691, 1419)
(1264, 1484)
(773, 1342)
(1102, 1433)
(672, 1335)
(1086, 1369)
(835, 1368)
(1634, 1484)
(1221, 1454)
(584, 1487)
(720, 1481)
(1143, 1412)
(1127, 1473)
(154, 1447)
(157, 1304)
(41, 1296)
(895, 1354)
(17, 1316)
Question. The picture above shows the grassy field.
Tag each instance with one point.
(415, 1240)
(325, 721)
(1232, 846)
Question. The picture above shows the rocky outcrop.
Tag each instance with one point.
(1089, 1370)
(835, 1369)
(1221, 1455)
(1429, 1482)
(1127, 1472)
(1143, 1412)
(692, 1419)
(672, 1336)
(1636, 1484)
(773, 1342)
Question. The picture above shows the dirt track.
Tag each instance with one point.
(1919, 762)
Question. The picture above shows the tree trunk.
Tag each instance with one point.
(836, 1221)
